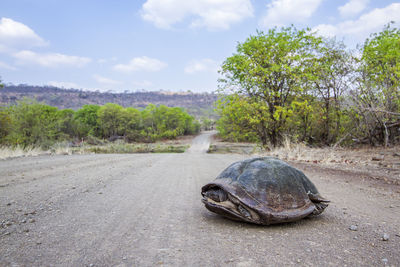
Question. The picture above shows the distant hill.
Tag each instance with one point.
(197, 104)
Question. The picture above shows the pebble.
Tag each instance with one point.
(353, 227)
(378, 158)
(23, 221)
(9, 204)
(385, 237)
(384, 260)
(124, 258)
(32, 220)
(8, 223)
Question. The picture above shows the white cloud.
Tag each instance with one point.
(282, 12)
(204, 65)
(353, 8)
(51, 60)
(366, 24)
(104, 80)
(141, 64)
(14, 34)
(6, 66)
(66, 85)
(214, 15)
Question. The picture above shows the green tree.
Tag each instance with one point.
(5, 123)
(111, 120)
(240, 119)
(67, 124)
(87, 121)
(270, 69)
(33, 123)
(206, 123)
(132, 124)
(334, 70)
(377, 97)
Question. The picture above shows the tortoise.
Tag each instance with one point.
(263, 190)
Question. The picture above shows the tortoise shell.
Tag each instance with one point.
(263, 191)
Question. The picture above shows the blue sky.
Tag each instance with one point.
(174, 45)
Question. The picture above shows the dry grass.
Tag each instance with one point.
(378, 161)
(301, 152)
(64, 148)
(14, 152)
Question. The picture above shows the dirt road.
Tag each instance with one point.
(145, 210)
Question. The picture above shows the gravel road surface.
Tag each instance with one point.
(146, 210)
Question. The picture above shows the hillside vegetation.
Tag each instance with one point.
(197, 104)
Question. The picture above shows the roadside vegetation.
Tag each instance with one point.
(32, 124)
(290, 84)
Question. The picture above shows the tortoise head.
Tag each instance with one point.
(219, 200)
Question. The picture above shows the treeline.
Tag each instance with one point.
(30, 123)
(292, 83)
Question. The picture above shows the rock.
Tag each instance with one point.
(8, 223)
(32, 220)
(9, 204)
(384, 260)
(396, 154)
(23, 221)
(26, 230)
(385, 237)
(353, 227)
(378, 158)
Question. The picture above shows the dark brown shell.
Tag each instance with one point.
(276, 191)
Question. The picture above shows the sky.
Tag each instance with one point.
(171, 45)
